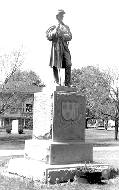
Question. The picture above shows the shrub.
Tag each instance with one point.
(20, 131)
(8, 131)
(29, 123)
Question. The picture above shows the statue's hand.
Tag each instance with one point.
(60, 33)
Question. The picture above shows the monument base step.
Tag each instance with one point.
(57, 152)
(45, 173)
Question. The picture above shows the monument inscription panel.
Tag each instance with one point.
(69, 117)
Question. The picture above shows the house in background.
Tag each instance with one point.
(16, 107)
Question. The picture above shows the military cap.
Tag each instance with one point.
(60, 11)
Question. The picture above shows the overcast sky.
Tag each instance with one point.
(94, 25)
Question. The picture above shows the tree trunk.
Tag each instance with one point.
(116, 128)
(86, 123)
(106, 124)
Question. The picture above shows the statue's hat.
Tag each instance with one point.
(60, 11)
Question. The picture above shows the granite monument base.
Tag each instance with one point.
(55, 153)
(45, 173)
(67, 144)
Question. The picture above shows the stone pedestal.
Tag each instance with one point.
(70, 153)
(42, 113)
(57, 149)
(64, 111)
(69, 116)
(57, 153)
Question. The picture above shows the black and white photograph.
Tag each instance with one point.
(59, 95)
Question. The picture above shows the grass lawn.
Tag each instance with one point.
(100, 137)
(16, 183)
(94, 136)
(14, 141)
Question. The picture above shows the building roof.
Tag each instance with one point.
(22, 89)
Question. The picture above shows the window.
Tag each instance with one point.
(29, 107)
(13, 110)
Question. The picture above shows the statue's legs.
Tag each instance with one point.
(66, 63)
(67, 75)
(55, 73)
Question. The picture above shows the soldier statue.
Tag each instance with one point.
(60, 36)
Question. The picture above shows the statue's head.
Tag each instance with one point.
(60, 14)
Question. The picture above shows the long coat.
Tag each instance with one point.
(60, 37)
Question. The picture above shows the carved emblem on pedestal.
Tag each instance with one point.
(70, 110)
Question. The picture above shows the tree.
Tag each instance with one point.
(18, 83)
(21, 79)
(93, 83)
(9, 64)
(102, 92)
(112, 102)
(114, 94)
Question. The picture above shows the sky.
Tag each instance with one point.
(94, 25)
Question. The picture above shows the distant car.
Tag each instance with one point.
(100, 127)
(91, 126)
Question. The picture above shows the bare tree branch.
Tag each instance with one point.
(13, 61)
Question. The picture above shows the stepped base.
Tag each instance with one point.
(58, 153)
(37, 170)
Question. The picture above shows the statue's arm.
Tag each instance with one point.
(51, 33)
(67, 35)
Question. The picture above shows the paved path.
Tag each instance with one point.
(11, 152)
(107, 155)
(107, 148)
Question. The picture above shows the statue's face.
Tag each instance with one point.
(60, 17)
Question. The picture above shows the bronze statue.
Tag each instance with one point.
(60, 55)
